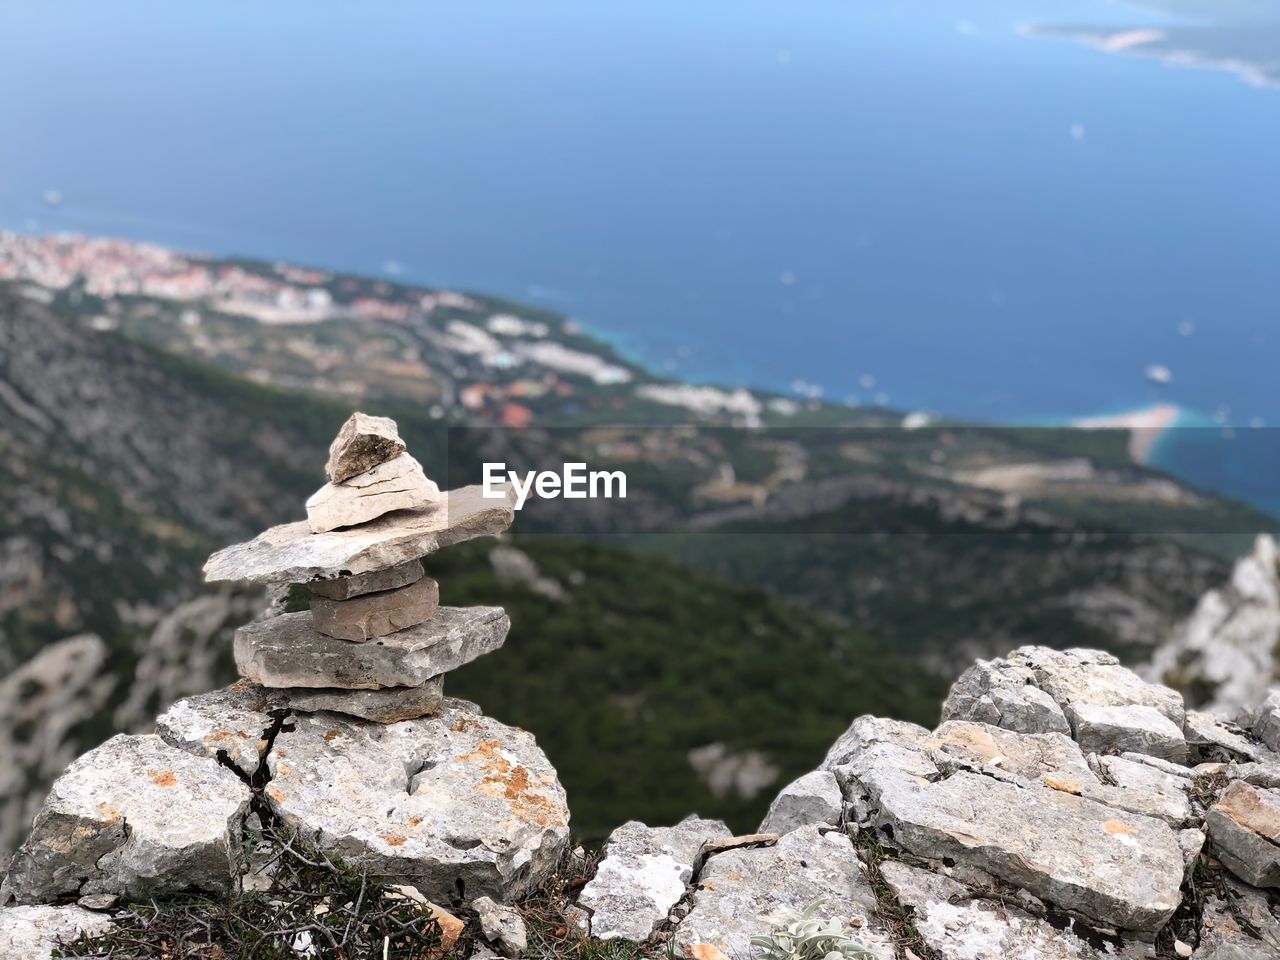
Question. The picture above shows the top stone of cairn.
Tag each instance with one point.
(363, 443)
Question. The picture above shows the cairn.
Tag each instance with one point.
(339, 731)
(376, 643)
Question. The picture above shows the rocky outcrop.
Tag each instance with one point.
(644, 873)
(1059, 812)
(455, 804)
(749, 892)
(132, 816)
(1224, 656)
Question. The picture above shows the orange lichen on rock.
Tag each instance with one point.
(162, 778)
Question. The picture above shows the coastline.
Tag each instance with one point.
(1147, 426)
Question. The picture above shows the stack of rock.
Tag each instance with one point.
(376, 643)
(339, 730)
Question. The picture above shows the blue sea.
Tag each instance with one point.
(921, 204)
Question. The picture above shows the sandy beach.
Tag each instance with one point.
(1146, 426)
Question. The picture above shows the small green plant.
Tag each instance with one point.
(809, 937)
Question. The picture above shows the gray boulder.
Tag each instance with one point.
(457, 804)
(1245, 828)
(32, 933)
(644, 873)
(751, 891)
(287, 651)
(292, 553)
(813, 798)
(1004, 695)
(1105, 864)
(1132, 728)
(1096, 678)
(133, 816)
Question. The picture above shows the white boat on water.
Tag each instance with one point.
(1159, 374)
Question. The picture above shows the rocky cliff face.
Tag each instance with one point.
(1225, 655)
(1065, 809)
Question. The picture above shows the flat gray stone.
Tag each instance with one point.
(362, 443)
(32, 933)
(1131, 728)
(131, 817)
(376, 615)
(1001, 694)
(750, 892)
(286, 651)
(813, 798)
(389, 705)
(1107, 865)
(233, 721)
(292, 553)
(344, 588)
(961, 925)
(457, 804)
(398, 484)
(501, 925)
(644, 873)
(1245, 828)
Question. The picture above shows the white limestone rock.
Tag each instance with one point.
(292, 553)
(1132, 728)
(398, 484)
(813, 798)
(1003, 695)
(1107, 865)
(362, 443)
(134, 815)
(1227, 647)
(501, 925)
(751, 891)
(32, 933)
(1077, 677)
(644, 873)
(456, 804)
(958, 924)
(287, 651)
(234, 721)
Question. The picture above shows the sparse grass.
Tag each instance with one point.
(889, 909)
(314, 900)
